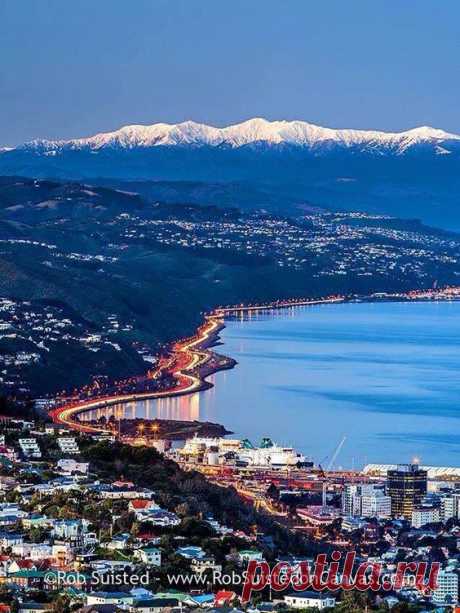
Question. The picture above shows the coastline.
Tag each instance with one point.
(192, 359)
(191, 362)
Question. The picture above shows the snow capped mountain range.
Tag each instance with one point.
(281, 165)
(253, 132)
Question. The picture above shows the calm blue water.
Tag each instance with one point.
(387, 376)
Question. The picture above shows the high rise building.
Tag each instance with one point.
(351, 500)
(375, 505)
(365, 500)
(450, 506)
(406, 487)
(425, 515)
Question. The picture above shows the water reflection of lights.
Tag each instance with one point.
(181, 408)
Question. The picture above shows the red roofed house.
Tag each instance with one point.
(18, 565)
(139, 506)
(224, 598)
(148, 537)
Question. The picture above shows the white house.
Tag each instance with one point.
(35, 520)
(121, 489)
(119, 542)
(201, 565)
(149, 555)
(11, 508)
(154, 605)
(34, 551)
(30, 448)
(375, 505)
(68, 444)
(365, 500)
(54, 429)
(9, 539)
(161, 517)
(121, 598)
(70, 528)
(69, 466)
(309, 599)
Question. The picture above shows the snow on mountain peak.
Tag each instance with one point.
(256, 130)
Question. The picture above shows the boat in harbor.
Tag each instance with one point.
(222, 451)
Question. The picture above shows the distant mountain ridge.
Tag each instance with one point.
(286, 166)
(253, 131)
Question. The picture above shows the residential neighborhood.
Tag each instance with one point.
(82, 528)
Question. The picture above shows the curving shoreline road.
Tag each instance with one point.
(190, 356)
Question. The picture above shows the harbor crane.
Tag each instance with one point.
(328, 468)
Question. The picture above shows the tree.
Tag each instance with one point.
(182, 510)
(61, 604)
(353, 602)
(135, 528)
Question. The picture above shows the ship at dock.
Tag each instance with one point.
(241, 453)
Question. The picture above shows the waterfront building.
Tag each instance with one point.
(406, 486)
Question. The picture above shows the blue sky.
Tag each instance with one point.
(75, 68)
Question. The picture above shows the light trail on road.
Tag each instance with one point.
(185, 353)
(187, 356)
